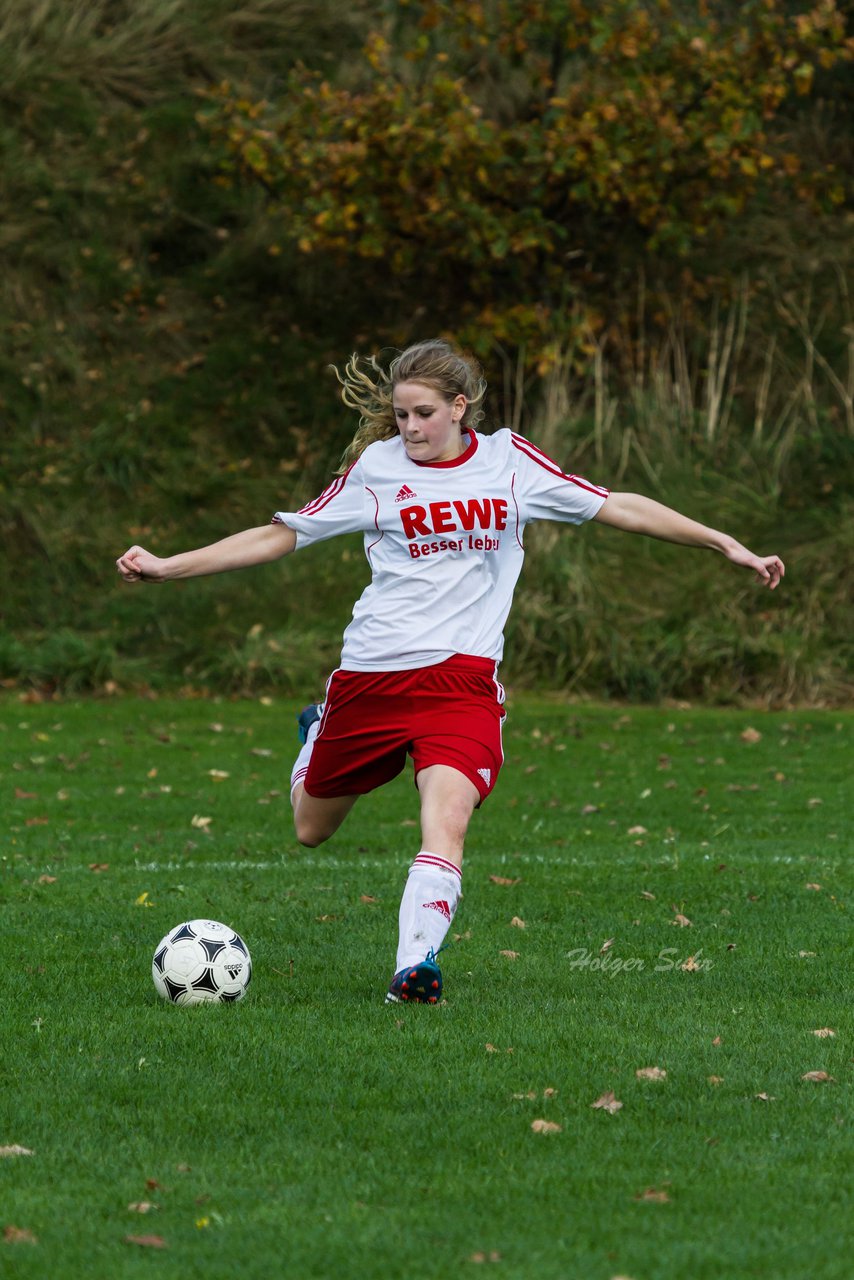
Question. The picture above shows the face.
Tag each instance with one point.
(428, 425)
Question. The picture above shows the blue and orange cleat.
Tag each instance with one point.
(306, 719)
(418, 983)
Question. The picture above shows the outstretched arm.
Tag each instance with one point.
(240, 551)
(637, 514)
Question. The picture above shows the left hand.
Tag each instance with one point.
(769, 570)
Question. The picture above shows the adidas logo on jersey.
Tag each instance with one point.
(441, 906)
(486, 774)
(404, 493)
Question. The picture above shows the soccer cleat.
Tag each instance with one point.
(418, 983)
(306, 719)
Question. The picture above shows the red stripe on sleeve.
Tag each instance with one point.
(548, 464)
(331, 491)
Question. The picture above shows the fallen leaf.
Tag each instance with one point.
(18, 1235)
(751, 735)
(715, 1079)
(690, 965)
(814, 801)
(765, 1097)
(200, 823)
(682, 921)
(824, 1032)
(651, 1073)
(25, 795)
(47, 879)
(218, 774)
(650, 897)
(653, 1195)
(490, 1048)
(818, 1077)
(813, 886)
(366, 897)
(546, 1126)
(607, 1102)
(492, 1256)
(147, 1242)
(99, 866)
(503, 880)
(141, 1206)
(517, 923)
(142, 900)
(549, 1093)
(37, 822)
(636, 831)
(15, 1150)
(606, 946)
(717, 1040)
(511, 955)
(803, 954)
(588, 809)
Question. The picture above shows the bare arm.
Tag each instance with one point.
(240, 551)
(637, 514)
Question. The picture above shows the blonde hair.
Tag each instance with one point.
(369, 388)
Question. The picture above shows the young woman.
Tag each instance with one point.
(443, 510)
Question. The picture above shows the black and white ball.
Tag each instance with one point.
(201, 960)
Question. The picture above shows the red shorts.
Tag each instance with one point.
(449, 714)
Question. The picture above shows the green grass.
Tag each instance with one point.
(311, 1131)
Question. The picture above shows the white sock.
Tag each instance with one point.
(427, 907)
(300, 768)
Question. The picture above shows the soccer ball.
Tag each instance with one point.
(201, 960)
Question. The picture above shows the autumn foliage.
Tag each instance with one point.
(507, 161)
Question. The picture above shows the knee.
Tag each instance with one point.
(309, 834)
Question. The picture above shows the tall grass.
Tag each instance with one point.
(745, 431)
(136, 51)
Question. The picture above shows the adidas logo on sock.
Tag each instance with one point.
(404, 493)
(441, 906)
(486, 774)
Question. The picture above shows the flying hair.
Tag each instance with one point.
(368, 388)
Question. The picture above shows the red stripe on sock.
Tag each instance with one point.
(433, 860)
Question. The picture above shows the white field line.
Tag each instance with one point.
(474, 865)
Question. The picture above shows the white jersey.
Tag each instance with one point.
(444, 541)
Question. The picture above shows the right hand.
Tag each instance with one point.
(139, 565)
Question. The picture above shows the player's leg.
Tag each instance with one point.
(433, 886)
(448, 800)
(316, 818)
(349, 747)
(456, 748)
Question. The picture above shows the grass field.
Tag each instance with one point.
(312, 1131)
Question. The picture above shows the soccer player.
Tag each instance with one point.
(443, 510)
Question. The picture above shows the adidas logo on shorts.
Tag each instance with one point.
(441, 906)
(486, 774)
